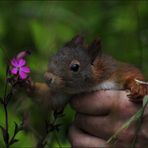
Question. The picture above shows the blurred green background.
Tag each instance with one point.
(44, 26)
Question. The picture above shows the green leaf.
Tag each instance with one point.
(13, 141)
(145, 101)
(16, 128)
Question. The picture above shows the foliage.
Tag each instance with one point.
(43, 27)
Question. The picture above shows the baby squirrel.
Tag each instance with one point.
(78, 68)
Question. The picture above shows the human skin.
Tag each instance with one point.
(100, 114)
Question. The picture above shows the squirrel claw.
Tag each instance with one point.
(135, 98)
(138, 91)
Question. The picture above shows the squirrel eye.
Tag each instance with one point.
(74, 67)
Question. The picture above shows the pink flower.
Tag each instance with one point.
(19, 68)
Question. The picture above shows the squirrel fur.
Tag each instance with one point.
(79, 68)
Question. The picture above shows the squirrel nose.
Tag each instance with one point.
(48, 77)
(49, 80)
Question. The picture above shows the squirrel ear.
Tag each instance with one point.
(76, 41)
(94, 49)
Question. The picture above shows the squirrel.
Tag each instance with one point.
(79, 68)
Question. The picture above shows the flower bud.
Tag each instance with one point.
(23, 54)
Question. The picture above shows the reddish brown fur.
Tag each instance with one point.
(106, 68)
(128, 76)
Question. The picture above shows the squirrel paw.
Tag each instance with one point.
(137, 91)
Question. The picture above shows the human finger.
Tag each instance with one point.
(103, 102)
(80, 139)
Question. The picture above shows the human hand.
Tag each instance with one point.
(100, 114)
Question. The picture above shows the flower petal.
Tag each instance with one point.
(14, 62)
(14, 71)
(22, 75)
(21, 62)
(25, 69)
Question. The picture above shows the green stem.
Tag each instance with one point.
(138, 126)
(5, 109)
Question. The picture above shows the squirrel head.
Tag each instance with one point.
(71, 68)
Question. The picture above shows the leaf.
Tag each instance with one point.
(58, 114)
(13, 141)
(57, 127)
(141, 82)
(20, 127)
(145, 101)
(16, 128)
